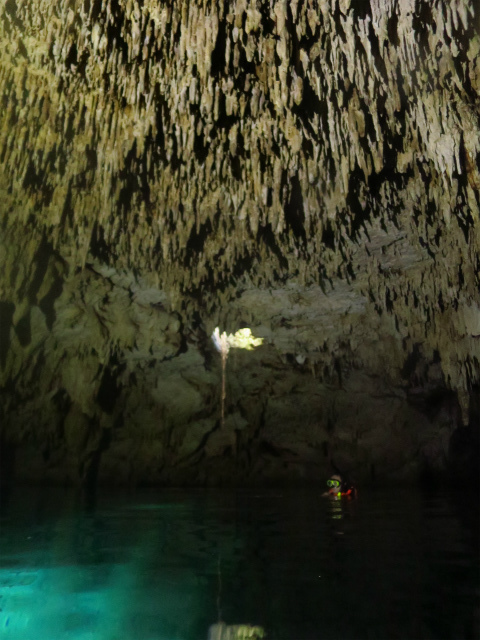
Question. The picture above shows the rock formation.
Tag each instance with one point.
(309, 169)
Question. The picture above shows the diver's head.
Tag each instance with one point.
(334, 484)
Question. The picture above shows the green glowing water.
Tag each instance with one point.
(167, 565)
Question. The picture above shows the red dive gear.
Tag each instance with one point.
(352, 493)
(341, 488)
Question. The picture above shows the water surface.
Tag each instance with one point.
(166, 565)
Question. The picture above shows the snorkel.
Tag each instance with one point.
(339, 485)
(334, 484)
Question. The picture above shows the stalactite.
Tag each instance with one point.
(211, 110)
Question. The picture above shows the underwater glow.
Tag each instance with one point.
(232, 565)
(221, 631)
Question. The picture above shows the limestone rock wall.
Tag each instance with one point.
(309, 168)
(111, 382)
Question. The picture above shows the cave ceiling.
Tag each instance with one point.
(219, 143)
(261, 161)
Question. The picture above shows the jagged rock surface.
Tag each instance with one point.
(308, 168)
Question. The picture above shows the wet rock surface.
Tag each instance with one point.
(307, 169)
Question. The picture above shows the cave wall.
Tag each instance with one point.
(309, 169)
(120, 386)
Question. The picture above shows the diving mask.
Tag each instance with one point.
(333, 483)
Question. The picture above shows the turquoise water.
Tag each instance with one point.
(166, 565)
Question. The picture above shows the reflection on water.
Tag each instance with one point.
(286, 565)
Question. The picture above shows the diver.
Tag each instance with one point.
(340, 487)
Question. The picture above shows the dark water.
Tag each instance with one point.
(167, 565)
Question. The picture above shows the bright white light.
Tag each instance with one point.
(242, 339)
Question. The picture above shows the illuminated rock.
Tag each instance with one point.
(307, 169)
